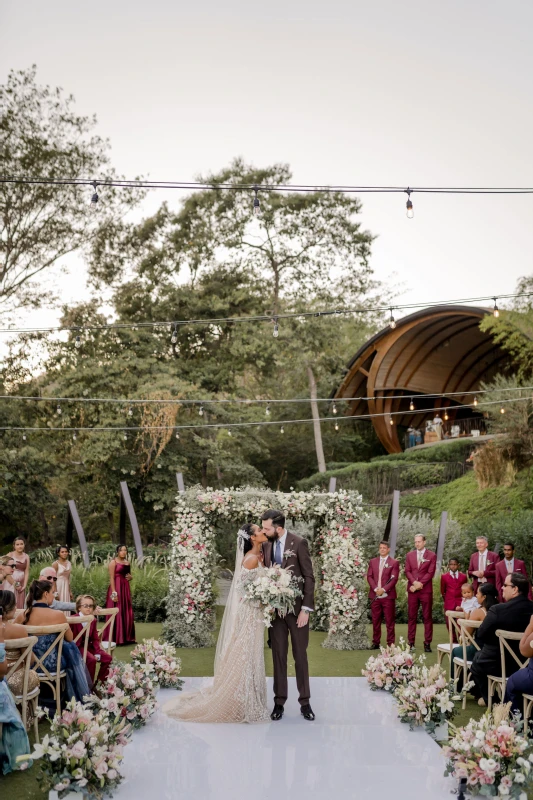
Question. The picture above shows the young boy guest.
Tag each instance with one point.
(86, 605)
(450, 588)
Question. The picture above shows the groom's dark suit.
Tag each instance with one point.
(297, 558)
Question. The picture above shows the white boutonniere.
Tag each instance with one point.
(424, 560)
(489, 563)
(288, 553)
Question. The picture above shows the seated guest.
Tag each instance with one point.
(509, 564)
(49, 574)
(450, 588)
(469, 602)
(486, 597)
(38, 612)
(13, 737)
(86, 605)
(12, 630)
(512, 615)
(7, 581)
(522, 681)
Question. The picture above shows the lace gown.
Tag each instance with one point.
(238, 692)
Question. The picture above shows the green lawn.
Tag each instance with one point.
(199, 662)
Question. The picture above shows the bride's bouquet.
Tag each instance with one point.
(276, 589)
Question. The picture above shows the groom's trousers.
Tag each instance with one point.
(279, 636)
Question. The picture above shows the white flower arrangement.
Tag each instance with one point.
(162, 656)
(392, 668)
(276, 589)
(492, 755)
(82, 752)
(426, 698)
(336, 517)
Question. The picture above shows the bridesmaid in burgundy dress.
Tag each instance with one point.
(119, 595)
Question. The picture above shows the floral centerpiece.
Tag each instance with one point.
(492, 755)
(82, 752)
(276, 589)
(426, 698)
(162, 656)
(129, 692)
(392, 668)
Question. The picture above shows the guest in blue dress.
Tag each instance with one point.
(13, 737)
(38, 612)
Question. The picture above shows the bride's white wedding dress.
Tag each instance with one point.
(238, 692)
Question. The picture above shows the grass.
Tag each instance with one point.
(199, 662)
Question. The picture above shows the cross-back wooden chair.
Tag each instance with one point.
(528, 705)
(496, 682)
(27, 698)
(52, 679)
(107, 628)
(446, 648)
(83, 635)
(462, 665)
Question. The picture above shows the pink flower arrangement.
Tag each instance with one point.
(492, 755)
(426, 698)
(392, 668)
(162, 656)
(129, 692)
(82, 752)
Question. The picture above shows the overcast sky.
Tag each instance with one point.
(396, 93)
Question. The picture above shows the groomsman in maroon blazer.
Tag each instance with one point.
(382, 576)
(420, 567)
(482, 567)
(508, 565)
(450, 588)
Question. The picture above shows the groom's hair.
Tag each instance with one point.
(277, 517)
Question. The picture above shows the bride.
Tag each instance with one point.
(238, 692)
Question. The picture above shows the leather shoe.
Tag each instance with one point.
(427, 648)
(307, 712)
(375, 647)
(277, 713)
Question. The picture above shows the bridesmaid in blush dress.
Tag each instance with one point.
(21, 572)
(63, 568)
(119, 595)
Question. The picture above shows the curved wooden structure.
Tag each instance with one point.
(432, 352)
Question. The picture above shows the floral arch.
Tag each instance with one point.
(339, 569)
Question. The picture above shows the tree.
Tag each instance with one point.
(42, 137)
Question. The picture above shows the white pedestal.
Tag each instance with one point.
(441, 732)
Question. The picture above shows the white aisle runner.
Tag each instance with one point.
(356, 748)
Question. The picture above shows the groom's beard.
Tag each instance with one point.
(272, 537)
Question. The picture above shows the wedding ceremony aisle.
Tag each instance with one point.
(356, 744)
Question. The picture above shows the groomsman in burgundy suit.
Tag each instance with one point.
(508, 565)
(482, 567)
(382, 576)
(450, 588)
(420, 567)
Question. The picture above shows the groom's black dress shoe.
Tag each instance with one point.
(277, 713)
(307, 712)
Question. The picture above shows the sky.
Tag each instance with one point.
(382, 93)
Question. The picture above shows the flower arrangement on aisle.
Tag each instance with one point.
(162, 656)
(392, 668)
(426, 698)
(492, 755)
(82, 752)
(129, 692)
(276, 589)
(341, 597)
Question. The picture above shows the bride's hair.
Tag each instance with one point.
(245, 534)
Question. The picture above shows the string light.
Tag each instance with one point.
(334, 409)
(174, 337)
(411, 405)
(229, 432)
(267, 411)
(475, 401)
(275, 332)
(75, 435)
(130, 411)
(336, 425)
(282, 429)
(58, 410)
(392, 321)
(257, 206)
(177, 435)
(391, 421)
(24, 437)
(496, 310)
(77, 342)
(94, 198)
(125, 437)
(446, 416)
(201, 411)
(409, 205)
(502, 410)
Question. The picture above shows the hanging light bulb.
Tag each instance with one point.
(282, 429)
(125, 437)
(24, 437)
(130, 411)
(392, 321)
(475, 401)
(334, 409)
(502, 410)
(58, 409)
(409, 205)
(411, 405)
(257, 204)
(75, 435)
(391, 421)
(445, 416)
(201, 411)
(336, 426)
(275, 332)
(267, 411)
(177, 435)
(77, 342)
(496, 310)
(174, 337)
(229, 432)
(94, 198)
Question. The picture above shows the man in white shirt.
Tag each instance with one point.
(49, 574)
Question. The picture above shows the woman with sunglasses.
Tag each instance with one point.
(7, 581)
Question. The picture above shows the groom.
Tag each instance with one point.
(291, 552)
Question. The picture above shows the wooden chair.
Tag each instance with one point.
(108, 626)
(446, 649)
(528, 705)
(496, 682)
(84, 633)
(52, 679)
(462, 665)
(27, 698)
